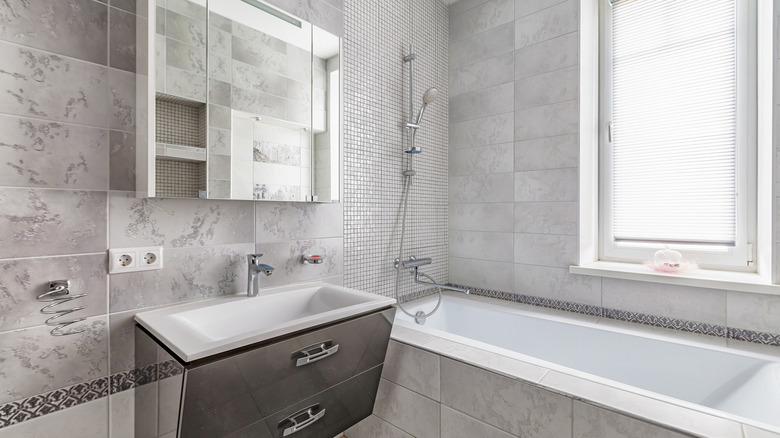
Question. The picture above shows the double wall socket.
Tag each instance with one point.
(134, 259)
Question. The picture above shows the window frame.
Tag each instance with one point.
(737, 258)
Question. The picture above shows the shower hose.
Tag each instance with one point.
(407, 187)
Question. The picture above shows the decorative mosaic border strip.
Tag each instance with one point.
(633, 317)
(41, 404)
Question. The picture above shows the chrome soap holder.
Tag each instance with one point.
(58, 294)
(312, 259)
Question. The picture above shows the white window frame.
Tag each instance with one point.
(738, 257)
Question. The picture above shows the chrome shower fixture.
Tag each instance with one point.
(430, 95)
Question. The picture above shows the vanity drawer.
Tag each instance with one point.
(233, 392)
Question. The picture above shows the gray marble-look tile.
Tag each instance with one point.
(507, 404)
(547, 88)
(51, 222)
(260, 56)
(219, 43)
(462, 6)
(219, 143)
(159, 64)
(593, 422)
(482, 46)
(484, 131)
(497, 187)
(186, 84)
(44, 85)
(219, 165)
(75, 28)
(547, 56)
(483, 159)
(220, 93)
(189, 274)
(219, 117)
(481, 217)
(122, 414)
(455, 424)
(191, 9)
(546, 249)
(671, 301)
(121, 160)
(481, 103)
(547, 121)
(753, 311)
(88, 420)
(481, 245)
(185, 56)
(546, 24)
(121, 100)
(255, 37)
(283, 221)
(258, 103)
(299, 64)
(121, 327)
(557, 284)
(555, 185)
(127, 5)
(285, 257)
(527, 7)
(411, 412)
(488, 274)
(481, 18)
(375, 427)
(22, 280)
(38, 153)
(546, 217)
(32, 361)
(219, 68)
(412, 368)
(122, 48)
(185, 29)
(258, 79)
(547, 153)
(178, 222)
(483, 74)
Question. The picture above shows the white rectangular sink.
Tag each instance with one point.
(204, 328)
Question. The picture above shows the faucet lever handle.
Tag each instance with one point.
(253, 259)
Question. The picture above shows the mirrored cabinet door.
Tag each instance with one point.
(246, 105)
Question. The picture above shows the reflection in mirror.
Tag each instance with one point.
(247, 104)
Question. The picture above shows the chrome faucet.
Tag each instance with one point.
(255, 267)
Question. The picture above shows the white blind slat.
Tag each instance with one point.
(674, 121)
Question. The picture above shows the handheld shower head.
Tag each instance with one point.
(429, 96)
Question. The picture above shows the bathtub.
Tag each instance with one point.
(729, 383)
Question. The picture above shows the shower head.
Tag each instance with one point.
(428, 97)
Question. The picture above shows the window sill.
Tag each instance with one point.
(736, 281)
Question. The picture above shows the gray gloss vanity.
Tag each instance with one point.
(299, 361)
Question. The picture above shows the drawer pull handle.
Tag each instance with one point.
(315, 352)
(310, 419)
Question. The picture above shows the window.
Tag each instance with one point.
(677, 130)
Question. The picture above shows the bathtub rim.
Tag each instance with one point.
(609, 394)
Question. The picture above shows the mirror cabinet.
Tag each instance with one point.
(237, 100)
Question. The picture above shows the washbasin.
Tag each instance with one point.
(197, 330)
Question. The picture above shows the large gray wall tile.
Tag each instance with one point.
(122, 39)
(546, 24)
(121, 160)
(35, 362)
(74, 28)
(89, 420)
(482, 160)
(557, 284)
(40, 153)
(482, 188)
(482, 18)
(546, 217)
(44, 85)
(22, 280)
(482, 46)
(546, 249)
(547, 88)
(482, 273)
(483, 131)
(178, 222)
(51, 222)
(546, 185)
(283, 221)
(507, 404)
(547, 56)
(593, 422)
(482, 217)
(412, 368)
(481, 103)
(481, 245)
(482, 74)
(547, 153)
(547, 121)
(753, 311)
(285, 257)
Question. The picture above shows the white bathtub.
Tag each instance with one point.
(738, 383)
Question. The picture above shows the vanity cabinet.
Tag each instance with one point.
(312, 384)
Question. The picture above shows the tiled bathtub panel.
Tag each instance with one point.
(33, 362)
(22, 280)
(177, 223)
(39, 153)
(189, 274)
(51, 222)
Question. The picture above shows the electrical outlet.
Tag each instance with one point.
(134, 259)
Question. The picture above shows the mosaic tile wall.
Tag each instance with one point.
(377, 37)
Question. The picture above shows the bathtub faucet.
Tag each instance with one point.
(417, 279)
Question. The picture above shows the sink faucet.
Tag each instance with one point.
(255, 267)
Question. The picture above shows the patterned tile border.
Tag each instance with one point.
(39, 405)
(621, 315)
